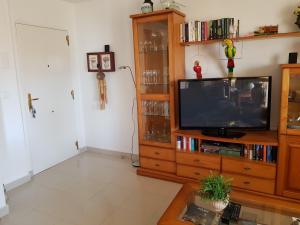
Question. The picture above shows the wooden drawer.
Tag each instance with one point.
(255, 169)
(199, 160)
(157, 153)
(160, 165)
(253, 184)
(192, 172)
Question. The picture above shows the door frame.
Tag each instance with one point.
(23, 99)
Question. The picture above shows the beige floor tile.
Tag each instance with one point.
(143, 201)
(5, 221)
(90, 189)
(112, 195)
(34, 217)
(127, 217)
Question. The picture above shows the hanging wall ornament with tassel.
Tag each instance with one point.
(101, 62)
(102, 89)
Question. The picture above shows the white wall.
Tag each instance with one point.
(49, 13)
(101, 22)
(2, 198)
(2, 146)
(15, 156)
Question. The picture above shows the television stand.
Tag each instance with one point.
(223, 133)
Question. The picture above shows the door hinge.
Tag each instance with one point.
(77, 145)
(73, 94)
(68, 40)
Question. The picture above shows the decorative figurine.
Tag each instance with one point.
(197, 68)
(230, 52)
(233, 31)
(147, 6)
(170, 4)
(266, 30)
(297, 13)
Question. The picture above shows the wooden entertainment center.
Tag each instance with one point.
(159, 63)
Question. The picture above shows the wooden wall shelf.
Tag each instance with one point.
(251, 137)
(245, 38)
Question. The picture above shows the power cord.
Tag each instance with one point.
(134, 162)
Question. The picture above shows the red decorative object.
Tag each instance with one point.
(197, 68)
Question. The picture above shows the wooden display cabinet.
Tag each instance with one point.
(159, 63)
(288, 183)
(246, 171)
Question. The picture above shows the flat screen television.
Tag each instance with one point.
(225, 106)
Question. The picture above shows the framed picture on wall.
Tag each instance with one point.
(93, 61)
(107, 61)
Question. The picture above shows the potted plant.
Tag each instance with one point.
(215, 189)
(297, 13)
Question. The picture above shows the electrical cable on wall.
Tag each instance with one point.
(134, 162)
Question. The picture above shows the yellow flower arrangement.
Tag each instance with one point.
(297, 11)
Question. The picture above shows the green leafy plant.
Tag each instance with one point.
(215, 188)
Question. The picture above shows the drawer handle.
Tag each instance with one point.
(157, 165)
(247, 168)
(196, 160)
(246, 182)
(157, 153)
(196, 173)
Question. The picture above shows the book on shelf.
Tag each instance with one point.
(257, 152)
(265, 153)
(187, 144)
(222, 148)
(196, 30)
(184, 143)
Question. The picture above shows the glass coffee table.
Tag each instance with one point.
(255, 209)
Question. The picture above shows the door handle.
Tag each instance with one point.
(30, 100)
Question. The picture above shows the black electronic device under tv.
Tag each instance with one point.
(224, 107)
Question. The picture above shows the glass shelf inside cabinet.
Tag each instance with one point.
(294, 103)
(156, 121)
(154, 57)
(153, 82)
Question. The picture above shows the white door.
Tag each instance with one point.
(45, 74)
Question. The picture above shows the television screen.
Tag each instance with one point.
(225, 103)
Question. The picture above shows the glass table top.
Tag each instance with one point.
(249, 215)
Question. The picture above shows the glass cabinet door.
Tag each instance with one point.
(294, 102)
(156, 121)
(153, 57)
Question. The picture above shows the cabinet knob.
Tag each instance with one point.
(246, 182)
(157, 165)
(157, 153)
(196, 160)
(196, 173)
(247, 168)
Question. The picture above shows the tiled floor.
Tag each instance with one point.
(90, 189)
